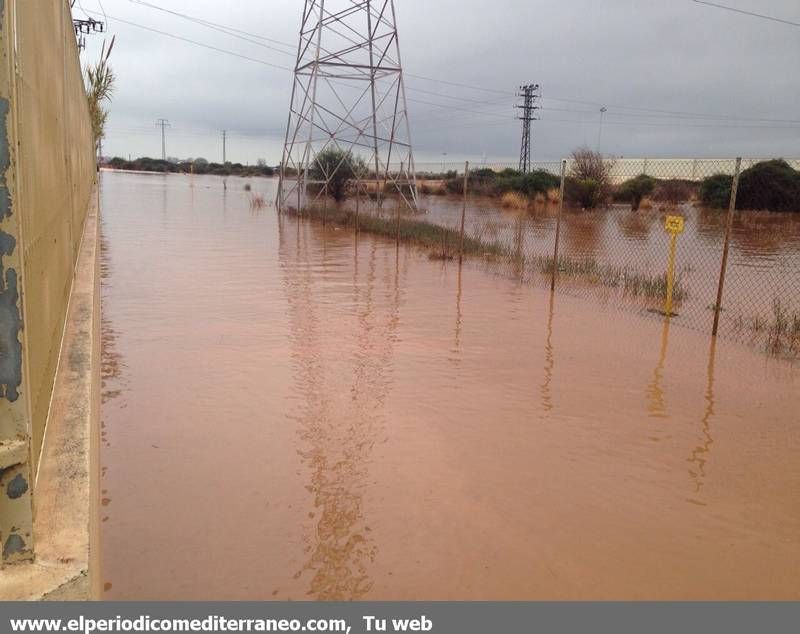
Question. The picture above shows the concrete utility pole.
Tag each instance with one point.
(530, 94)
(163, 124)
(224, 149)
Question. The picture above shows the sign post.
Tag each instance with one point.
(674, 226)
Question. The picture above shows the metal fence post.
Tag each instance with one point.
(358, 196)
(463, 213)
(400, 192)
(726, 246)
(558, 224)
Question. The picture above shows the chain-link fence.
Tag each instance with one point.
(644, 235)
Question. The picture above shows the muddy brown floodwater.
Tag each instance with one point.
(290, 413)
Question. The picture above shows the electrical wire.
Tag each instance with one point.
(749, 13)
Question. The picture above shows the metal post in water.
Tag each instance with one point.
(726, 246)
(399, 190)
(558, 224)
(670, 274)
(358, 199)
(463, 214)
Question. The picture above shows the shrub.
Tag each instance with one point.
(589, 183)
(634, 189)
(338, 168)
(715, 191)
(771, 185)
(513, 200)
(674, 190)
(530, 184)
(586, 192)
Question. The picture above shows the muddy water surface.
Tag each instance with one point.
(290, 413)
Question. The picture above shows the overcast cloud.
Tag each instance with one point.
(677, 56)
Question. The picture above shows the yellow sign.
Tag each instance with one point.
(674, 224)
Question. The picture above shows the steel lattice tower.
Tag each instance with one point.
(348, 95)
(529, 94)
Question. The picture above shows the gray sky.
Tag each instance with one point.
(726, 84)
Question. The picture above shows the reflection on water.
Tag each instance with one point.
(656, 407)
(549, 360)
(295, 412)
(700, 454)
(339, 545)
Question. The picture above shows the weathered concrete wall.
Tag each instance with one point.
(47, 175)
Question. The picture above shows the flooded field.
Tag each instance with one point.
(763, 267)
(291, 413)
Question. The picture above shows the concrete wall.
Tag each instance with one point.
(47, 175)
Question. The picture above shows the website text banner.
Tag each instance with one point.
(440, 618)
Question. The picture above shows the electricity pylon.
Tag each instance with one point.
(530, 94)
(348, 97)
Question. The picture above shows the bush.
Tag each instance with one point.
(634, 189)
(536, 182)
(338, 168)
(589, 183)
(715, 191)
(674, 190)
(770, 185)
(513, 200)
(586, 192)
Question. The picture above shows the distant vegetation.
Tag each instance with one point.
(487, 182)
(195, 166)
(770, 185)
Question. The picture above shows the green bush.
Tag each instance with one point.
(715, 191)
(338, 168)
(536, 182)
(634, 189)
(586, 192)
(770, 185)
(487, 182)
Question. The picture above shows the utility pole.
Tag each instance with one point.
(603, 110)
(84, 28)
(163, 124)
(530, 95)
(224, 148)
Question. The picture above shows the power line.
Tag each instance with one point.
(661, 113)
(750, 13)
(196, 43)
(217, 25)
(227, 30)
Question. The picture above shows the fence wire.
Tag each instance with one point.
(614, 245)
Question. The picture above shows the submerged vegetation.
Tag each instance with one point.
(443, 243)
(780, 332)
